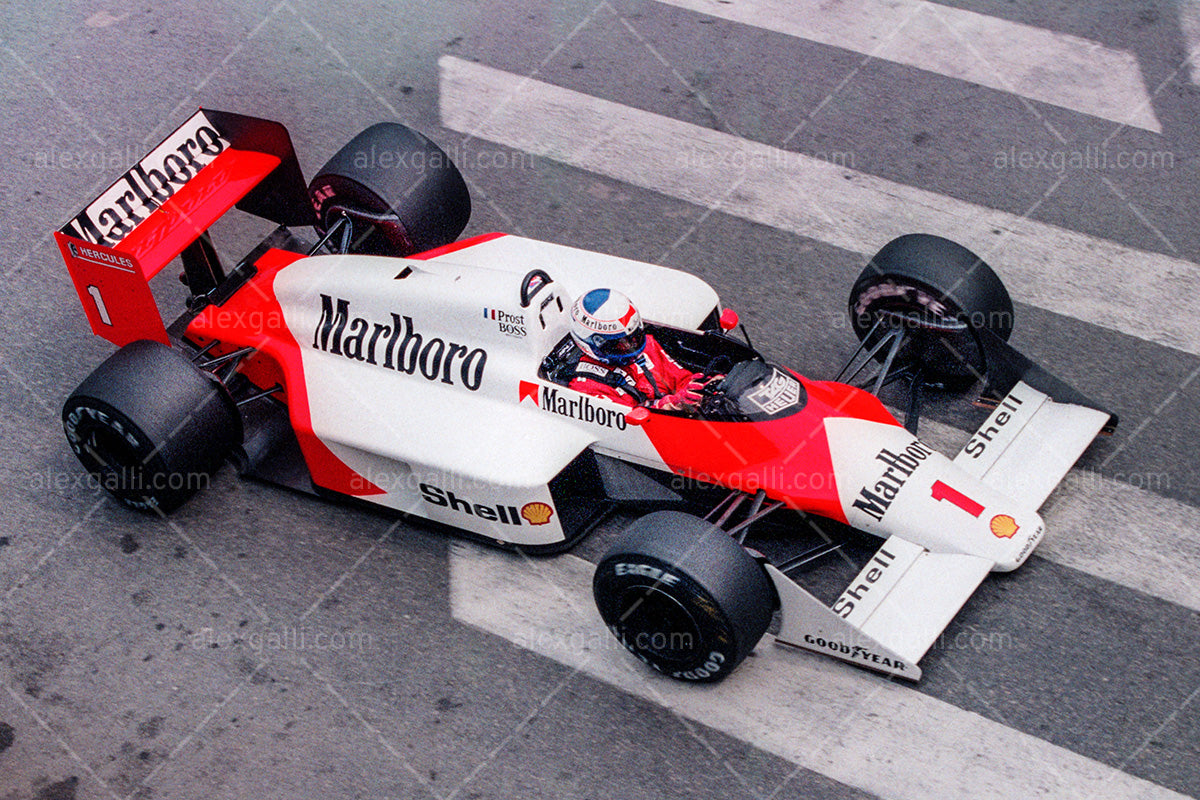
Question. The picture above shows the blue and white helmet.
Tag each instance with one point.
(607, 327)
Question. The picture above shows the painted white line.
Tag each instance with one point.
(831, 718)
(1189, 28)
(1044, 265)
(1055, 68)
(1113, 530)
(1126, 535)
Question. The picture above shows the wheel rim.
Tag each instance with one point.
(655, 624)
(120, 465)
(904, 298)
(950, 357)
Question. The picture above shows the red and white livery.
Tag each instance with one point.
(380, 359)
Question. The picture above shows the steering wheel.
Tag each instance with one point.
(713, 400)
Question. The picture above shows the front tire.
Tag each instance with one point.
(926, 277)
(150, 426)
(684, 597)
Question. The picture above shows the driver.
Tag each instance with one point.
(622, 362)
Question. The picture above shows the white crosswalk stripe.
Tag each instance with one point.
(1189, 27)
(1042, 65)
(1043, 265)
(832, 718)
(835, 720)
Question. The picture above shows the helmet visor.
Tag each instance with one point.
(624, 347)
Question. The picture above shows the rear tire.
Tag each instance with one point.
(684, 597)
(150, 426)
(928, 276)
(390, 169)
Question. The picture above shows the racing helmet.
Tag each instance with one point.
(607, 327)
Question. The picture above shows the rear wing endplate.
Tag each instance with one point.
(163, 206)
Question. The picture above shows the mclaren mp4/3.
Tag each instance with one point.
(362, 351)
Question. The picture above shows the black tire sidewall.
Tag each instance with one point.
(724, 592)
(391, 168)
(131, 482)
(945, 270)
(941, 278)
(716, 643)
(331, 190)
(175, 422)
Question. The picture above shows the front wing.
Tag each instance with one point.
(904, 597)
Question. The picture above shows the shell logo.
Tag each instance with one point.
(1004, 526)
(537, 513)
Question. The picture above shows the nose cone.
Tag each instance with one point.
(1022, 538)
(892, 484)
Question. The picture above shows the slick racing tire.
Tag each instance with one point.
(395, 179)
(683, 596)
(150, 426)
(926, 276)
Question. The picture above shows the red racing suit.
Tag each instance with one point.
(630, 385)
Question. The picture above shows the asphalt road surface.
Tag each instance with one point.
(263, 644)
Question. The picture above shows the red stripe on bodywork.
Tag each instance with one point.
(789, 457)
(252, 317)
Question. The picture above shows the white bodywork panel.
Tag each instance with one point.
(661, 294)
(910, 490)
(421, 375)
(1029, 443)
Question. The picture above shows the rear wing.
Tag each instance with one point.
(163, 206)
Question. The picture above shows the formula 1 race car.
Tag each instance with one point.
(378, 358)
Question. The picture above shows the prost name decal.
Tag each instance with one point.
(508, 324)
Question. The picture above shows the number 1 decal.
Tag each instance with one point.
(94, 291)
(943, 492)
